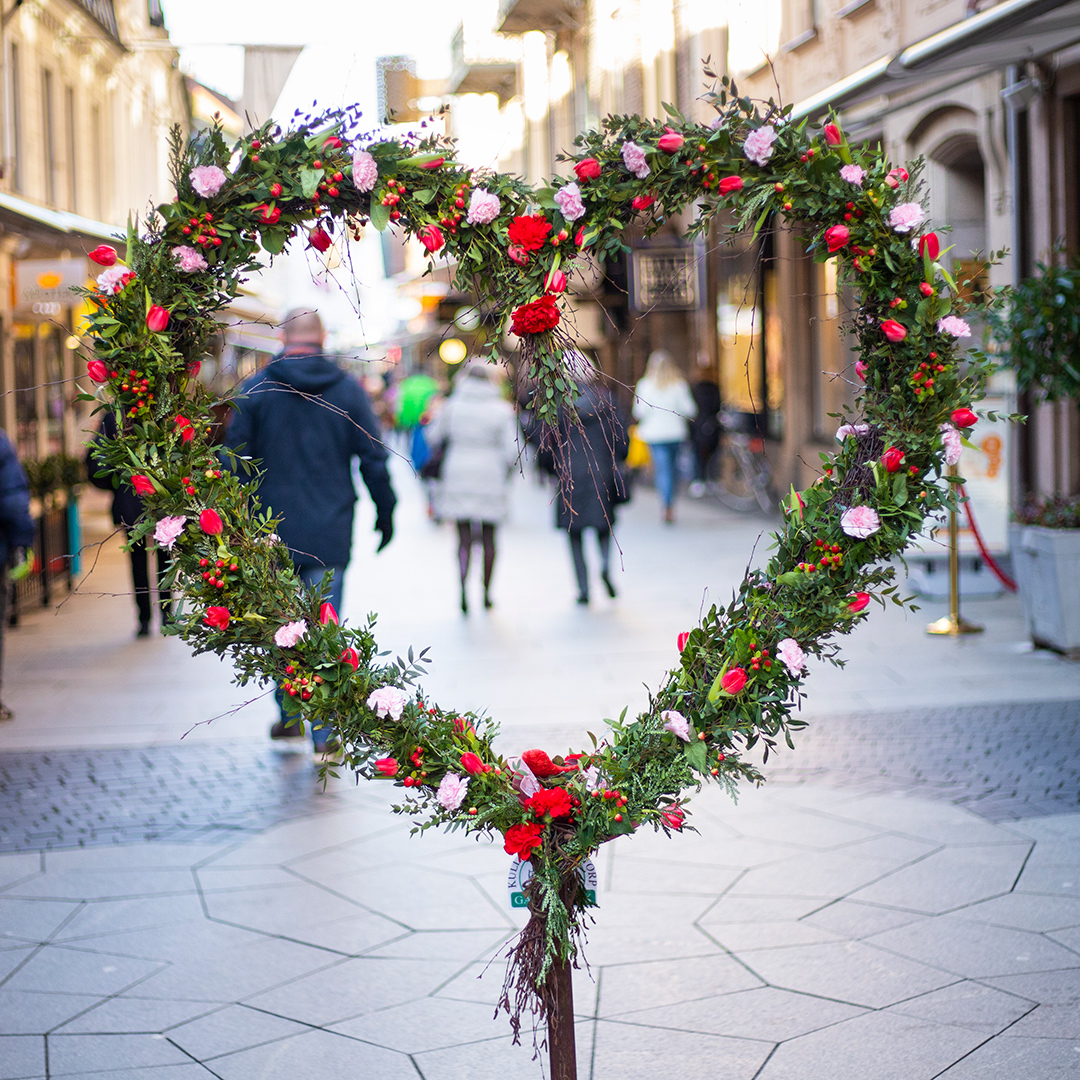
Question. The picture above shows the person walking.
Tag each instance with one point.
(17, 531)
(127, 508)
(304, 420)
(479, 428)
(704, 432)
(663, 407)
(584, 453)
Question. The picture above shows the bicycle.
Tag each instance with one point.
(743, 473)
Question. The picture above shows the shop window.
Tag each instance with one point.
(26, 403)
(833, 370)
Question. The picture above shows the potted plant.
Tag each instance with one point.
(1038, 335)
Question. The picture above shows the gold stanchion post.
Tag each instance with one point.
(953, 624)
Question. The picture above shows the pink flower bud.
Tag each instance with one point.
(210, 522)
(836, 236)
(671, 142)
(858, 602)
(431, 237)
(327, 614)
(832, 135)
(893, 330)
(97, 371)
(733, 680)
(157, 318)
(556, 281)
(964, 417)
(103, 255)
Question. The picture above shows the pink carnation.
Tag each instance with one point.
(388, 701)
(953, 443)
(207, 180)
(906, 216)
(758, 147)
(634, 159)
(860, 522)
(451, 791)
(794, 658)
(111, 281)
(568, 199)
(364, 171)
(288, 635)
(483, 207)
(676, 723)
(844, 430)
(188, 259)
(853, 174)
(951, 324)
(167, 530)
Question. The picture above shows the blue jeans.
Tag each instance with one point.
(311, 574)
(665, 455)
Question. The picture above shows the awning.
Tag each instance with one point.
(1013, 32)
(23, 214)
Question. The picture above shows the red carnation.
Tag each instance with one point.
(520, 840)
(729, 184)
(554, 802)
(388, 766)
(210, 522)
(964, 417)
(528, 231)
(142, 484)
(103, 255)
(97, 370)
(832, 135)
(893, 330)
(536, 317)
(217, 617)
(351, 657)
(733, 680)
(587, 169)
(320, 239)
(472, 764)
(327, 614)
(836, 236)
(892, 459)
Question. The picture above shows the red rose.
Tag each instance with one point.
(320, 239)
(142, 485)
(836, 236)
(388, 766)
(893, 459)
(351, 657)
(184, 428)
(210, 522)
(832, 135)
(473, 765)
(733, 681)
(518, 254)
(893, 330)
(964, 417)
(728, 184)
(97, 370)
(671, 142)
(520, 840)
(642, 202)
(682, 640)
(673, 817)
(528, 231)
(554, 802)
(327, 614)
(431, 237)
(896, 177)
(268, 215)
(536, 317)
(217, 617)
(858, 602)
(587, 169)
(926, 289)
(556, 281)
(103, 255)
(157, 318)
(929, 245)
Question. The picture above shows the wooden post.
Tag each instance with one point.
(562, 1051)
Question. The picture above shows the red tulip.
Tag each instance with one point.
(579, 237)
(728, 184)
(682, 640)
(893, 459)
(97, 371)
(103, 255)
(433, 164)
(333, 142)
(587, 169)
(327, 614)
(431, 237)
(556, 281)
(472, 764)
(836, 236)
(210, 522)
(671, 142)
(964, 417)
(858, 602)
(541, 765)
(832, 135)
(217, 617)
(642, 202)
(896, 177)
(861, 369)
(733, 680)
(929, 245)
(351, 657)
(268, 215)
(194, 368)
(320, 239)
(388, 766)
(183, 426)
(893, 330)
(673, 817)
(142, 485)
(157, 318)
(518, 254)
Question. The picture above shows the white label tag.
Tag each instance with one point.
(521, 872)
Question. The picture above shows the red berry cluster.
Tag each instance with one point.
(452, 219)
(298, 684)
(330, 187)
(392, 196)
(922, 378)
(830, 557)
(759, 658)
(215, 574)
(137, 386)
(851, 211)
(615, 797)
(202, 232)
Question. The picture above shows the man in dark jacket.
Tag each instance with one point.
(17, 529)
(304, 420)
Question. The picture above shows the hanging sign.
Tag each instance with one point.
(43, 286)
(521, 872)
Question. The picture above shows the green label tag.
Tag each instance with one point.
(522, 871)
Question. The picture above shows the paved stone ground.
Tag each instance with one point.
(901, 900)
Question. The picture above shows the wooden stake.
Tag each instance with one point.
(562, 1051)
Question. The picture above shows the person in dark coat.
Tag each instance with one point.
(303, 420)
(585, 457)
(127, 508)
(704, 431)
(17, 530)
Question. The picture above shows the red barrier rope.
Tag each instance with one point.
(986, 556)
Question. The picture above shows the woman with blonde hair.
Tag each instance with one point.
(663, 408)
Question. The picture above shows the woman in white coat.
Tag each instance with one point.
(479, 427)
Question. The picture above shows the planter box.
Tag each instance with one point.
(1047, 565)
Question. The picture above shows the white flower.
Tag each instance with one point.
(676, 723)
(794, 658)
(860, 522)
(953, 443)
(852, 174)
(288, 635)
(758, 146)
(364, 171)
(845, 430)
(906, 216)
(167, 530)
(568, 199)
(634, 159)
(451, 791)
(388, 701)
(954, 325)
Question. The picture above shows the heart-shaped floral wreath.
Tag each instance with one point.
(739, 671)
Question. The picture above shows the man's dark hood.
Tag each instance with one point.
(308, 373)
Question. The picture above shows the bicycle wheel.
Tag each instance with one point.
(734, 481)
